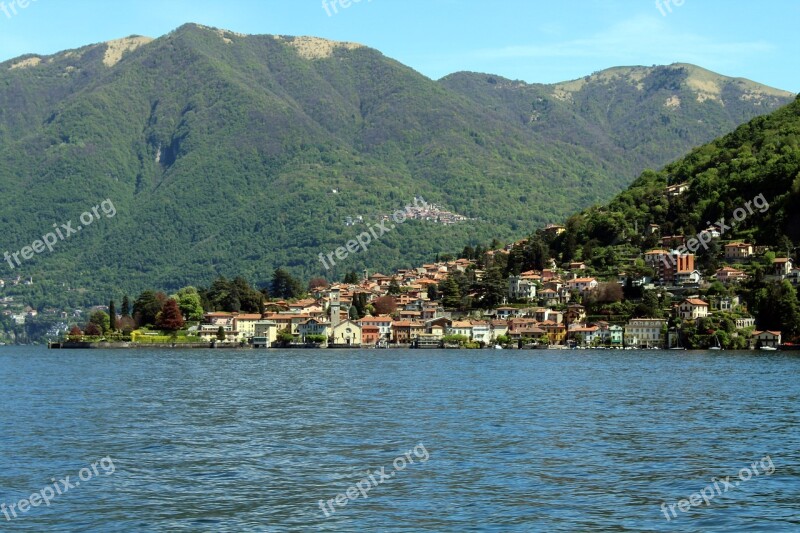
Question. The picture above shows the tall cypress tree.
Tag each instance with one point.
(126, 306)
(112, 315)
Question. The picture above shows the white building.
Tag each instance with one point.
(644, 332)
(520, 288)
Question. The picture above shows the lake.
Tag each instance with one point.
(295, 440)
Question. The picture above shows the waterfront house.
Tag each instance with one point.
(313, 326)
(347, 333)
(370, 335)
(265, 333)
(481, 331)
(556, 332)
(383, 323)
(245, 325)
(644, 332)
(460, 327)
(405, 331)
(528, 331)
(499, 328)
(766, 338)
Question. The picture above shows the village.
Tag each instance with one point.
(541, 309)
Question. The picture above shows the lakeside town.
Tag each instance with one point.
(662, 302)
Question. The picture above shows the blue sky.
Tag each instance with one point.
(533, 40)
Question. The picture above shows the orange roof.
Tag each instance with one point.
(248, 317)
(696, 301)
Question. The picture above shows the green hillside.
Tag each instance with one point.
(757, 165)
(231, 154)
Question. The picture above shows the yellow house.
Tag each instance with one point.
(245, 324)
(265, 333)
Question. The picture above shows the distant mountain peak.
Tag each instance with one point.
(307, 47)
(705, 84)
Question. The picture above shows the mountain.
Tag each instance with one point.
(635, 117)
(230, 154)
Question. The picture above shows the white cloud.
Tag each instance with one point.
(640, 40)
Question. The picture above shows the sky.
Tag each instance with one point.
(532, 40)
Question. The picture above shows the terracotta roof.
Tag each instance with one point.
(696, 301)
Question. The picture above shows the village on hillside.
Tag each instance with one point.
(540, 309)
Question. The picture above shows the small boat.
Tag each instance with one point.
(717, 346)
(769, 348)
(498, 347)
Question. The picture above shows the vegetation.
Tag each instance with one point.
(228, 155)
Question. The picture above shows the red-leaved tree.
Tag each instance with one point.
(385, 305)
(170, 318)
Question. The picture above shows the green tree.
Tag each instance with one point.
(285, 336)
(433, 292)
(126, 306)
(284, 285)
(101, 319)
(112, 316)
(221, 333)
(189, 303)
(491, 289)
(394, 288)
(147, 306)
(451, 293)
(351, 278)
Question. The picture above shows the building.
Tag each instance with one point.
(245, 324)
(313, 326)
(370, 335)
(693, 309)
(383, 323)
(582, 285)
(406, 331)
(346, 333)
(671, 267)
(504, 313)
(265, 333)
(738, 251)
(782, 267)
(521, 288)
(482, 331)
(645, 332)
(766, 338)
(727, 275)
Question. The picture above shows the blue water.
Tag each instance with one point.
(515, 441)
